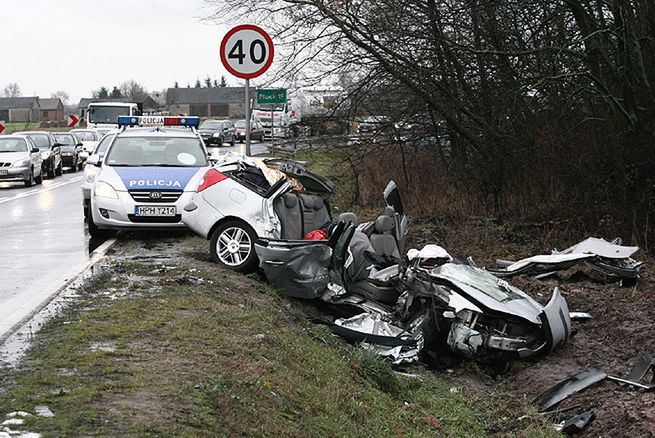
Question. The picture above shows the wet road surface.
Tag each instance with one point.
(44, 241)
(43, 238)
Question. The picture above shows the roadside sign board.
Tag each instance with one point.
(72, 121)
(2, 127)
(271, 96)
(247, 51)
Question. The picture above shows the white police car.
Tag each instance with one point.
(147, 175)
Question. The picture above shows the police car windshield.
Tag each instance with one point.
(12, 145)
(156, 152)
(107, 114)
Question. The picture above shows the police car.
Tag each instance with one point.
(147, 175)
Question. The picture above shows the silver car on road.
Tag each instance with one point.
(20, 160)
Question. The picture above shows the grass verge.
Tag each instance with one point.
(166, 344)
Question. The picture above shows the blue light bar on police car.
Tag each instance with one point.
(158, 121)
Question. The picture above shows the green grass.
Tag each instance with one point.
(34, 126)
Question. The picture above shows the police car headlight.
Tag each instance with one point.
(216, 134)
(104, 190)
(21, 163)
(90, 173)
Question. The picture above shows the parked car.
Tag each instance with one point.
(52, 164)
(70, 150)
(20, 160)
(373, 124)
(146, 176)
(217, 132)
(88, 137)
(256, 130)
(242, 199)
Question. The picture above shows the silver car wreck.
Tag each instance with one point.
(427, 301)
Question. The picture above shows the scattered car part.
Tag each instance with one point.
(579, 316)
(609, 258)
(637, 374)
(568, 387)
(576, 423)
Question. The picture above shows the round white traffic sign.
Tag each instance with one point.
(247, 51)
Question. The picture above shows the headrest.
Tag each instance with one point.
(349, 217)
(383, 224)
(308, 201)
(390, 211)
(290, 201)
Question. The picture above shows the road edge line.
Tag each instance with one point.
(96, 255)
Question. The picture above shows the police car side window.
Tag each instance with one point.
(104, 144)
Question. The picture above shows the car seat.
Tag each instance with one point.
(287, 208)
(382, 239)
(315, 213)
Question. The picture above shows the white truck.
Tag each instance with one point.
(105, 114)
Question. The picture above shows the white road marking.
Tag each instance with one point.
(45, 189)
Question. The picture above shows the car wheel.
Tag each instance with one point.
(232, 142)
(39, 179)
(30, 180)
(94, 231)
(220, 142)
(60, 169)
(232, 244)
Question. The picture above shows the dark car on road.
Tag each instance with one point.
(50, 151)
(70, 150)
(256, 130)
(217, 132)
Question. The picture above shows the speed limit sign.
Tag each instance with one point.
(247, 51)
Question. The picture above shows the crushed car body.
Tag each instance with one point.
(427, 300)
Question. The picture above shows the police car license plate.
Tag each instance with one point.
(158, 210)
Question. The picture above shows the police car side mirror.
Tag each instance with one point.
(94, 160)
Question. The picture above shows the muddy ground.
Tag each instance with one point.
(621, 329)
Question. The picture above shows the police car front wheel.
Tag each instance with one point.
(233, 245)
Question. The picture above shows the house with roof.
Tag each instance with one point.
(226, 102)
(19, 109)
(51, 110)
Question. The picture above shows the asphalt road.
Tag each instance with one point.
(44, 240)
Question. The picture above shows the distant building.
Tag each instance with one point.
(52, 110)
(19, 109)
(226, 102)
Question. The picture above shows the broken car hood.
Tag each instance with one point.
(486, 290)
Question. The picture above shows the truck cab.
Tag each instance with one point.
(105, 114)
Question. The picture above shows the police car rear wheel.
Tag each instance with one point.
(233, 245)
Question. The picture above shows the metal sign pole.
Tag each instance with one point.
(272, 127)
(246, 148)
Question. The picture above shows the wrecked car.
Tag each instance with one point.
(241, 199)
(404, 306)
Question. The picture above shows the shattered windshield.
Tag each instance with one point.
(160, 151)
(12, 145)
(496, 288)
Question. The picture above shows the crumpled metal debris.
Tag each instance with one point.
(610, 258)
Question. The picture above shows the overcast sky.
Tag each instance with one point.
(79, 45)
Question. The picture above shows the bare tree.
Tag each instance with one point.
(132, 90)
(62, 95)
(12, 90)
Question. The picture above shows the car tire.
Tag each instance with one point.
(96, 232)
(29, 182)
(220, 142)
(232, 244)
(39, 179)
(60, 169)
(233, 142)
